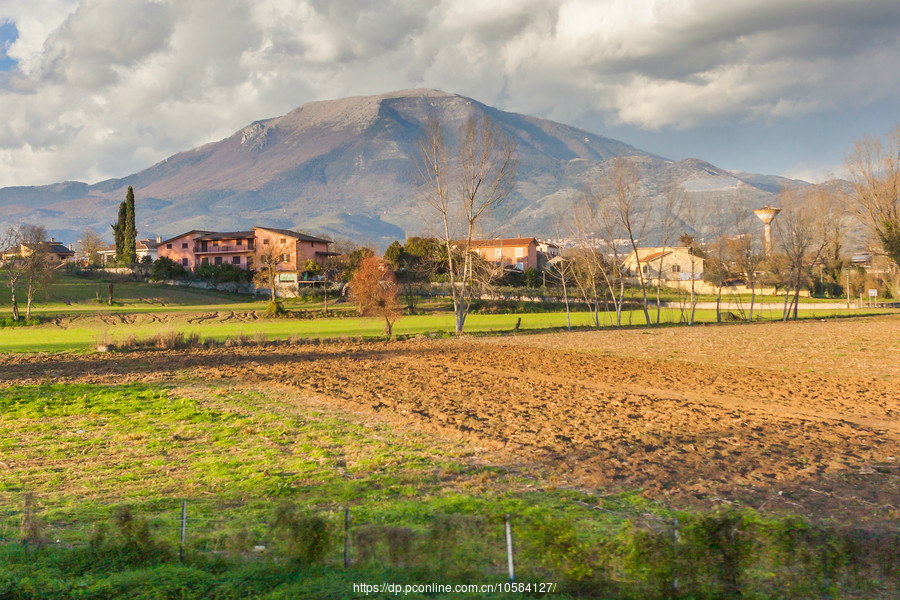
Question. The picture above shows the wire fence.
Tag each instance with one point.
(603, 553)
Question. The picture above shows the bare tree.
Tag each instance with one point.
(462, 188)
(801, 236)
(621, 189)
(375, 290)
(30, 263)
(746, 254)
(596, 275)
(268, 257)
(89, 247)
(674, 197)
(11, 247)
(873, 168)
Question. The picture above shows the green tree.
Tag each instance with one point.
(119, 231)
(129, 235)
(394, 255)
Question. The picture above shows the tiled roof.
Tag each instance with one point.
(225, 235)
(500, 242)
(295, 234)
(180, 235)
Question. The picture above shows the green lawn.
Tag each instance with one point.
(75, 321)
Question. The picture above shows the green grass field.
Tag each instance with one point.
(266, 479)
(75, 321)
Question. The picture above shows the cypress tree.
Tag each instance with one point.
(119, 233)
(129, 237)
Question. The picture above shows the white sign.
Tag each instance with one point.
(873, 293)
(287, 277)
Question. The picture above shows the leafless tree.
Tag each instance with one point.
(38, 264)
(10, 246)
(801, 235)
(873, 169)
(268, 257)
(745, 252)
(627, 205)
(597, 276)
(462, 187)
(89, 246)
(694, 216)
(673, 200)
(722, 231)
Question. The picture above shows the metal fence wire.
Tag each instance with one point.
(607, 554)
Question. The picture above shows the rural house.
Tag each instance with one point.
(142, 248)
(667, 264)
(58, 253)
(243, 248)
(516, 253)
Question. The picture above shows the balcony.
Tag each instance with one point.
(222, 249)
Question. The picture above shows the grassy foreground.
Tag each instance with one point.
(95, 476)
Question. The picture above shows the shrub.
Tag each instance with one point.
(304, 538)
(275, 309)
(166, 268)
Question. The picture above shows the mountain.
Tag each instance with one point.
(344, 168)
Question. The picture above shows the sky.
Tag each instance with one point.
(96, 89)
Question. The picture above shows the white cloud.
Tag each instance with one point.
(106, 87)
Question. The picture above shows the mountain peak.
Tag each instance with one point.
(355, 112)
(345, 166)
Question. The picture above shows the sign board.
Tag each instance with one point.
(287, 277)
(873, 293)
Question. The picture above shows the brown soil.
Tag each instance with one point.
(800, 417)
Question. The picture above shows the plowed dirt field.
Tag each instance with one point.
(802, 417)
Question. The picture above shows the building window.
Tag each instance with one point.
(285, 258)
(283, 240)
(218, 260)
(266, 242)
(498, 252)
(646, 269)
(676, 268)
(184, 262)
(205, 260)
(240, 242)
(168, 246)
(183, 245)
(520, 252)
(235, 260)
(249, 262)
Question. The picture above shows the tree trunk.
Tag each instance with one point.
(719, 304)
(109, 294)
(566, 300)
(784, 310)
(752, 298)
(658, 285)
(15, 304)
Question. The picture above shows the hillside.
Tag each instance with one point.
(343, 168)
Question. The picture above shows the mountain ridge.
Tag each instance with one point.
(353, 157)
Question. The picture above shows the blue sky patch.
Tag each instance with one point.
(8, 35)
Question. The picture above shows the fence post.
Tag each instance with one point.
(509, 550)
(675, 556)
(183, 529)
(346, 537)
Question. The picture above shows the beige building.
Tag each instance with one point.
(670, 265)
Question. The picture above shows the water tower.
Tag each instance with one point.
(767, 214)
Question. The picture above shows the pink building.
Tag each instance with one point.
(244, 248)
(519, 253)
